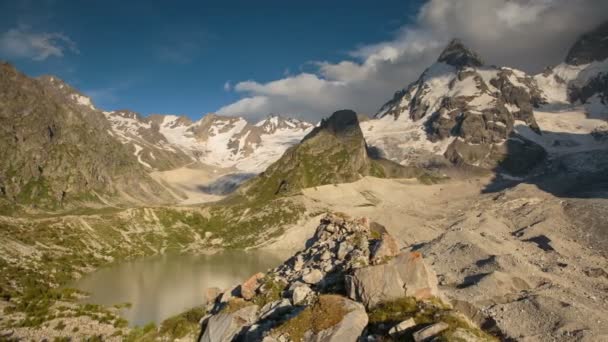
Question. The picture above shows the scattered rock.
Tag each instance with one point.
(250, 285)
(212, 293)
(326, 255)
(300, 293)
(313, 277)
(374, 284)
(349, 328)
(596, 272)
(405, 275)
(420, 280)
(429, 332)
(298, 263)
(224, 326)
(344, 249)
(275, 309)
(401, 327)
(229, 294)
(384, 249)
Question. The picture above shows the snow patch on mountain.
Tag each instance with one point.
(567, 131)
(226, 142)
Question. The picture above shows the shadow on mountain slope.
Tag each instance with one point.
(225, 184)
(576, 165)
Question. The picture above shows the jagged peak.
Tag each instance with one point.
(458, 55)
(129, 114)
(341, 123)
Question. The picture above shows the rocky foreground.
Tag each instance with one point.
(353, 281)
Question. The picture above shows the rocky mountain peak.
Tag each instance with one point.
(127, 114)
(458, 55)
(274, 122)
(341, 123)
(590, 47)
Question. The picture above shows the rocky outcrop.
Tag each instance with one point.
(58, 150)
(404, 275)
(333, 152)
(225, 326)
(582, 79)
(330, 291)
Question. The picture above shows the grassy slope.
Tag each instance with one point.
(39, 254)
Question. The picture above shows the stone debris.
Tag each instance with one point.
(402, 327)
(429, 332)
(250, 285)
(297, 300)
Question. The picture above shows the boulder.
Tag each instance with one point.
(343, 249)
(419, 279)
(313, 277)
(212, 293)
(402, 327)
(351, 326)
(249, 286)
(225, 326)
(374, 284)
(275, 309)
(300, 293)
(404, 275)
(298, 263)
(426, 334)
(230, 293)
(384, 249)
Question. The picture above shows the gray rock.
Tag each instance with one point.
(326, 255)
(405, 275)
(313, 277)
(229, 294)
(402, 327)
(429, 332)
(419, 279)
(349, 328)
(298, 263)
(344, 249)
(224, 326)
(275, 309)
(384, 249)
(374, 284)
(300, 293)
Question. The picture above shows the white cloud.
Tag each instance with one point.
(21, 42)
(527, 34)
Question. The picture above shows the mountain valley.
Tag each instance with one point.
(491, 182)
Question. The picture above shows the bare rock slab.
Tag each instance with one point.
(350, 328)
(429, 332)
(402, 327)
(224, 326)
(404, 275)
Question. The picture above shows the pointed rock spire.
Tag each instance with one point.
(456, 54)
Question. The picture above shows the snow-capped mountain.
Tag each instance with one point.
(458, 108)
(582, 79)
(168, 141)
(475, 114)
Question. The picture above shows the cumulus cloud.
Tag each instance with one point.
(526, 34)
(22, 42)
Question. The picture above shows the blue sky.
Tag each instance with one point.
(177, 56)
(251, 58)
